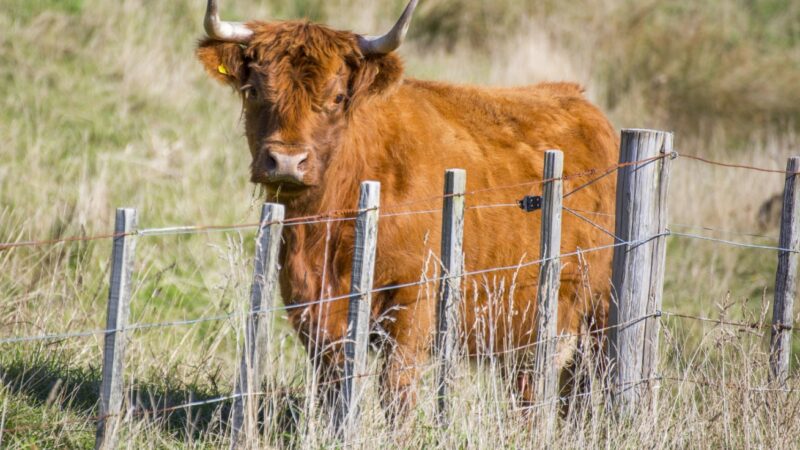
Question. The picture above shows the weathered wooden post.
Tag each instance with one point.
(262, 295)
(638, 271)
(119, 307)
(356, 345)
(786, 279)
(545, 368)
(455, 183)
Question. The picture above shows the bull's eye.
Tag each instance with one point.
(339, 99)
(249, 91)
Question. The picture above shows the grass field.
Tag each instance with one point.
(103, 105)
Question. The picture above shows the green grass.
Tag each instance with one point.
(25, 10)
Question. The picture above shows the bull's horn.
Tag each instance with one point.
(392, 40)
(225, 31)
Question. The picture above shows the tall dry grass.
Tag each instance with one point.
(103, 105)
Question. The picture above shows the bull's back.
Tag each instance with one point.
(499, 137)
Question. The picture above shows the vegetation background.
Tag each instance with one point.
(103, 105)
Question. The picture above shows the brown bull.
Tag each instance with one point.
(326, 109)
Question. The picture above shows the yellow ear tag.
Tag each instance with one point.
(222, 69)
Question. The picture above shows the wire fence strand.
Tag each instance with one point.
(333, 215)
(737, 166)
(732, 243)
(342, 215)
(745, 325)
(147, 326)
(752, 234)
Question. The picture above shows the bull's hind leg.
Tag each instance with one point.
(565, 361)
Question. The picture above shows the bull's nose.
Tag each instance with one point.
(285, 166)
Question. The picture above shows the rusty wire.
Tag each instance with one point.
(737, 166)
(330, 216)
(745, 325)
(349, 214)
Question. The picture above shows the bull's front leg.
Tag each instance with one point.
(410, 329)
(322, 329)
(329, 373)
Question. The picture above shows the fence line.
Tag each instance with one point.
(329, 216)
(752, 325)
(192, 229)
(201, 229)
(147, 326)
(339, 216)
(723, 231)
(727, 385)
(132, 412)
(591, 222)
(569, 336)
(87, 422)
(737, 166)
(682, 235)
(656, 314)
(688, 227)
(145, 411)
(731, 243)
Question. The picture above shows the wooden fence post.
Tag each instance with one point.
(786, 279)
(545, 369)
(262, 295)
(356, 345)
(455, 183)
(638, 270)
(119, 306)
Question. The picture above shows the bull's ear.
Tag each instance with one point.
(375, 75)
(224, 61)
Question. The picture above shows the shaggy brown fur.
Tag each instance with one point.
(308, 87)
